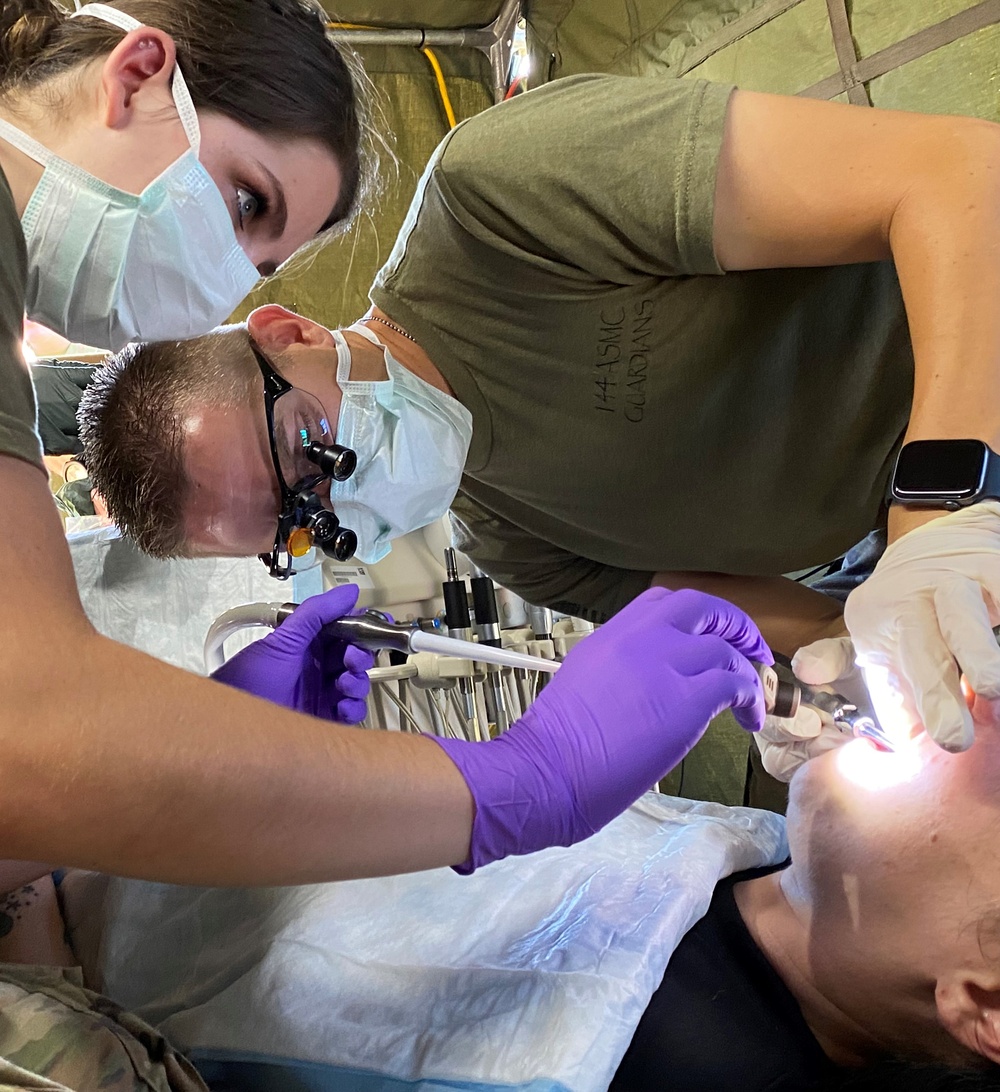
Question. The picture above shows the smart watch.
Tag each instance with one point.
(948, 474)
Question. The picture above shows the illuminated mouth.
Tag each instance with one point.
(865, 765)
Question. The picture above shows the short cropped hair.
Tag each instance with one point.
(131, 421)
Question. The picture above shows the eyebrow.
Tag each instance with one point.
(279, 218)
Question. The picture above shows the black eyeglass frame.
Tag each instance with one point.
(300, 506)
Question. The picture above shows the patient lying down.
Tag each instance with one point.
(876, 950)
(885, 929)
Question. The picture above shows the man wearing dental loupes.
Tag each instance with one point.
(756, 432)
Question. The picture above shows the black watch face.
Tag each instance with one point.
(941, 468)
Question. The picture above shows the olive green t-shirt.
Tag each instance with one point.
(634, 409)
(17, 401)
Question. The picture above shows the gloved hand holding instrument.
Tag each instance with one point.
(625, 707)
(306, 666)
(834, 708)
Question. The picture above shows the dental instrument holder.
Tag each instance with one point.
(373, 631)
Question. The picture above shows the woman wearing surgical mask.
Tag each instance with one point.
(161, 155)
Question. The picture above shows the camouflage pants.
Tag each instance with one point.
(57, 1036)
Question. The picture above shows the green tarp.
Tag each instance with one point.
(785, 46)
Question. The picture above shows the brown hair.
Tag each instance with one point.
(131, 421)
(270, 65)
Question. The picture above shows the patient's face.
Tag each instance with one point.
(869, 820)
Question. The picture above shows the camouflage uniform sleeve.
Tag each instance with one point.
(57, 1035)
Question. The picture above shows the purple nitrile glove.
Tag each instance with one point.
(624, 709)
(304, 668)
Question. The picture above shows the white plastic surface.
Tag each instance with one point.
(165, 608)
(534, 969)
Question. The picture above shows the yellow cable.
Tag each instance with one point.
(430, 55)
(442, 86)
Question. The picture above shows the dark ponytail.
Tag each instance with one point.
(270, 65)
(25, 28)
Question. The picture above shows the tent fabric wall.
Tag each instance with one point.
(783, 46)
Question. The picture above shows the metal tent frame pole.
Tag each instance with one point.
(495, 40)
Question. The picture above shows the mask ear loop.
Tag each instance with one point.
(179, 87)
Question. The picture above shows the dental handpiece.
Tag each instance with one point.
(373, 631)
(781, 695)
(456, 618)
(484, 608)
(846, 716)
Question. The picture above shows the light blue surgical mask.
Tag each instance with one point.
(106, 267)
(411, 441)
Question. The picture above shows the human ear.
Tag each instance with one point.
(274, 328)
(145, 57)
(969, 1008)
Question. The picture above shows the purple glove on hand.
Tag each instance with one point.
(624, 709)
(301, 667)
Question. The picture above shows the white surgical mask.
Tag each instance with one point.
(411, 441)
(107, 267)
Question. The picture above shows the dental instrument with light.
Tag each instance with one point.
(846, 715)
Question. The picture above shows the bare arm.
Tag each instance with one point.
(117, 762)
(804, 183)
(32, 929)
(789, 615)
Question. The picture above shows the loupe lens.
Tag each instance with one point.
(299, 422)
(333, 460)
(345, 545)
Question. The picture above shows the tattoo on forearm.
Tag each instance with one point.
(13, 906)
